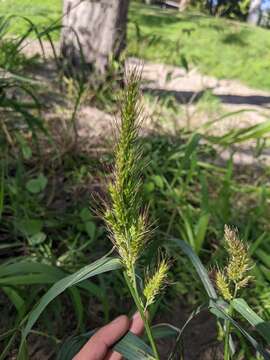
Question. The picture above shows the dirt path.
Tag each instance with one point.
(187, 87)
(247, 106)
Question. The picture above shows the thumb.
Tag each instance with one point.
(99, 344)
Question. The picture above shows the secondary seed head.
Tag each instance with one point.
(155, 283)
(235, 275)
(223, 286)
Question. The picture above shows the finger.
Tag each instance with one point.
(99, 344)
(136, 327)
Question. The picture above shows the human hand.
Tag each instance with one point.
(99, 346)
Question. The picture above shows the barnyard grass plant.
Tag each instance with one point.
(126, 216)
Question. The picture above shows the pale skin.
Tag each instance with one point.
(99, 346)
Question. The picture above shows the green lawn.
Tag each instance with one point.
(41, 12)
(217, 47)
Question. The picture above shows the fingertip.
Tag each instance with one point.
(137, 324)
(121, 321)
(116, 329)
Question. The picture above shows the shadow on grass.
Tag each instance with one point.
(185, 97)
(237, 39)
(156, 17)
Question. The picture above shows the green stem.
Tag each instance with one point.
(139, 305)
(227, 351)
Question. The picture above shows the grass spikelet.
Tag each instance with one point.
(124, 218)
(223, 286)
(156, 283)
(239, 261)
(235, 274)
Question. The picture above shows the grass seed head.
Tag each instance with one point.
(124, 218)
(222, 285)
(239, 262)
(156, 283)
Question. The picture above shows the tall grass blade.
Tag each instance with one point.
(219, 309)
(201, 271)
(201, 229)
(98, 267)
(130, 347)
(161, 331)
(256, 321)
(241, 135)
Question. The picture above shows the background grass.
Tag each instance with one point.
(218, 47)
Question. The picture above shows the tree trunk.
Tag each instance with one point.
(183, 4)
(93, 31)
(254, 13)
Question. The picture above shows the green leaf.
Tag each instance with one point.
(10, 246)
(27, 152)
(17, 270)
(27, 267)
(98, 267)
(77, 304)
(157, 179)
(256, 321)
(29, 227)
(191, 147)
(17, 301)
(255, 244)
(161, 331)
(241, 135)
(130, 346)
(133, 348)
(90, 228)
(252, 341)
(35, 186)
(149, 187)
(201, 271)
(73, 345)
(85, 215)
(266, 272)
(37, 238)
(263, 256)
(28, 279)
(201, 229)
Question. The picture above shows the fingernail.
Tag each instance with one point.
(136, 315)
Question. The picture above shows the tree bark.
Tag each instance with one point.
(93, 31)
(254, 14)
(183, 4)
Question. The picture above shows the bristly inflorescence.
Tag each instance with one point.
(223, 285)
(235, 275)
(155, 283)
(125, 218)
